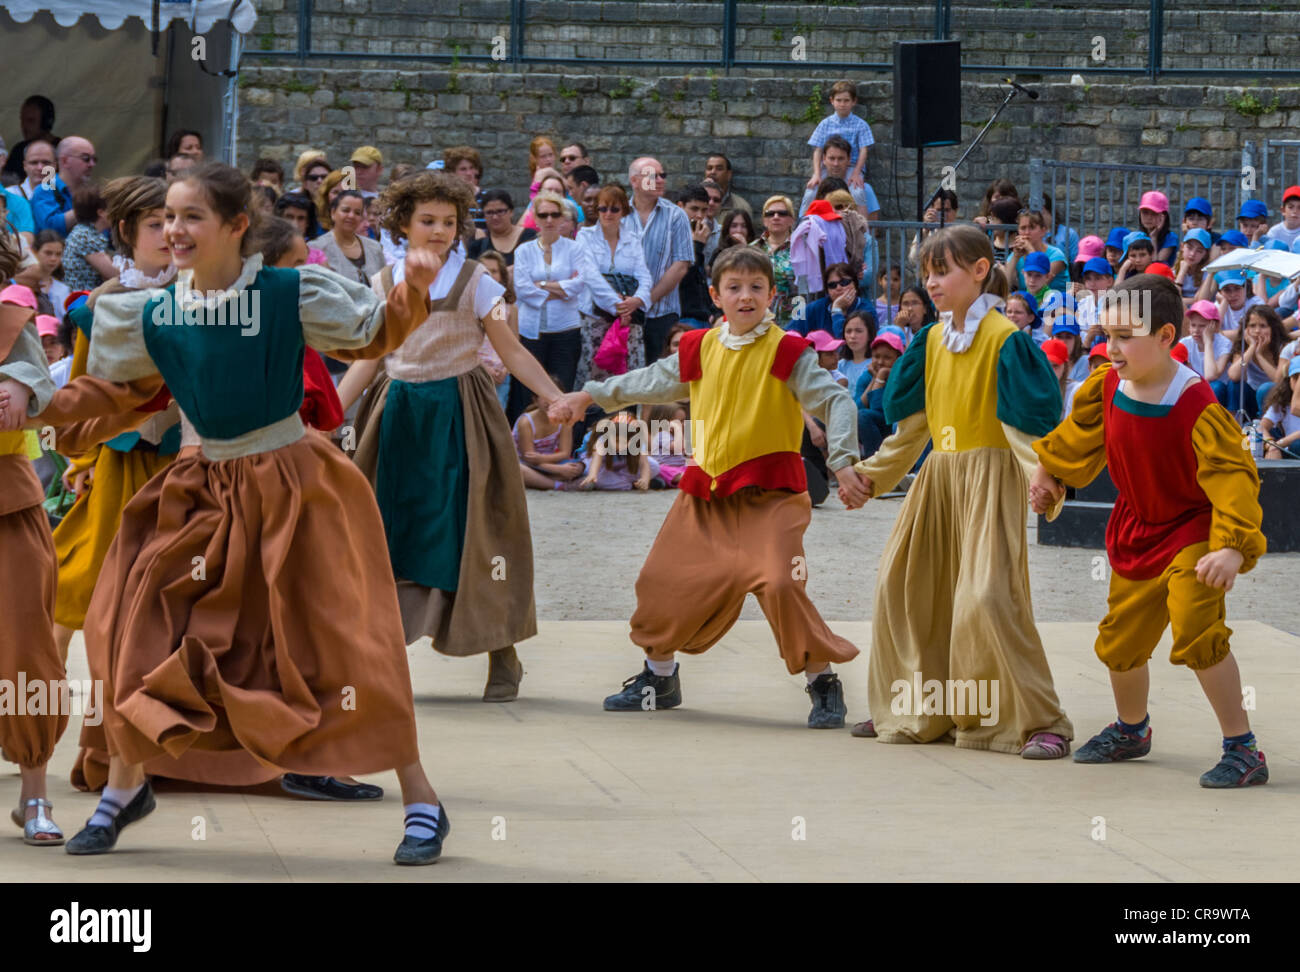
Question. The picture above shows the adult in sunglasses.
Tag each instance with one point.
(502, 235)
(550, 277)
(308, 162)
(666, 241)
(52, 205)
(778, 225)
(843, 299)
(572, 156)
(619, 287)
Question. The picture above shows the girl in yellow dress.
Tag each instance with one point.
(954, 648)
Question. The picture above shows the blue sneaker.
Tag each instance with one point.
(1113, 745)
(1239, 766)
(828, 709)
(646, 691)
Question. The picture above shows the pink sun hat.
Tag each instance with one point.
(1090, 247)
(822, 341)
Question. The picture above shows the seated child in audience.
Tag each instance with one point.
(890, 284)
(1192, 258)
(544, 449)
(1099, 353)
(1059, 356)
(1066, 330)
(869, 392)
(1031, 238)
(47, 326)
(1280, 426)
(1090, 248)
(668, 441)
(1232, 301)
(48, 250)
(855, 355)
(1252, 221)
(1256, 351)
(828, 353)
(1153, 220)
(617, 456)
(674, 338)
(1098, 277)
(1139, 253)
(1208, 351)
(1288, 231)
(1198, 214)
(1114, 251)
(1022, 311)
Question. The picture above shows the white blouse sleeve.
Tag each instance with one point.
(602, 293)
(525, 270)
(117, 349)
(578, 260)
(486, 294)
(336, 313)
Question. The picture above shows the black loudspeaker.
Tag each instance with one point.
(927, 93)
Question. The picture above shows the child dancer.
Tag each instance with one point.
(952, 597)
(737, 524)
(434, 442)
(27, 565)
(1187, 521)
(246, 602)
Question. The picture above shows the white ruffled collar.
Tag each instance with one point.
(960, 341)
(187, 296)
(738, 341)
(130, 276)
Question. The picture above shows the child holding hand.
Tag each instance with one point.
(1186, 523)
(737, 524)
(952, 595)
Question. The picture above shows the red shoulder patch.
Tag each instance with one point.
(787, 353)
(689, 365)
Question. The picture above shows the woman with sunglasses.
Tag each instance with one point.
(843, 299)
(502, 235)
(311, 172)
(778, 224)
(551, 274)
(619, 286)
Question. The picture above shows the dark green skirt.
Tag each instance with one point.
(422, 481)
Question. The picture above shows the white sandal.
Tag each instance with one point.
(40, 824)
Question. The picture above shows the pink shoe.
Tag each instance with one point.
(1046, 745)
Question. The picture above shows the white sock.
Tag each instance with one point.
(813, 676)
(662, 668)
(106, 812)
(422, 819)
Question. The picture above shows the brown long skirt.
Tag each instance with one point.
(27, 582)
(248, 604)
(493, 606)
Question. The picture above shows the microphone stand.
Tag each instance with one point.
(920, 209)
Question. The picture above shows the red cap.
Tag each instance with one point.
(1290, 192)
(1099, 351)
(1179, 352)
(823, 209)
(1056, 351)
(1160, 270)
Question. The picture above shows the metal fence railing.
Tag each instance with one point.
(1278, 166)
(728, 56)
(1093, 197)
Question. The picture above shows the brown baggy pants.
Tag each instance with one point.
(709, 554)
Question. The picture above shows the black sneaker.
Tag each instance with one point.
(1239, 766)
(646, 691)
(1113, 745)
(828, 709)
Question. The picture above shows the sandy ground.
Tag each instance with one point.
(588, 548)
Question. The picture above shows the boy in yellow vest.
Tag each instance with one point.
(738, 523)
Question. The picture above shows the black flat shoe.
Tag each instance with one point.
(424, 850)
(328, 788)
(101, 840)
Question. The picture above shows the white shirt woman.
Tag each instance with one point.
(551, 275)
(626, 257)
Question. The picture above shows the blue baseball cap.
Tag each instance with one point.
(1198, 235)
(1277, 245)
(1116, 237)
(1099, 265)
(895, 330)
(1235, 238)
(1199, 204)
(1036, 263)
(1294, 367)
(435, 164)
(1253, 209)
(1230, 277)
(1065, 322)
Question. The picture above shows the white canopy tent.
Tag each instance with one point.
(125, 73)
